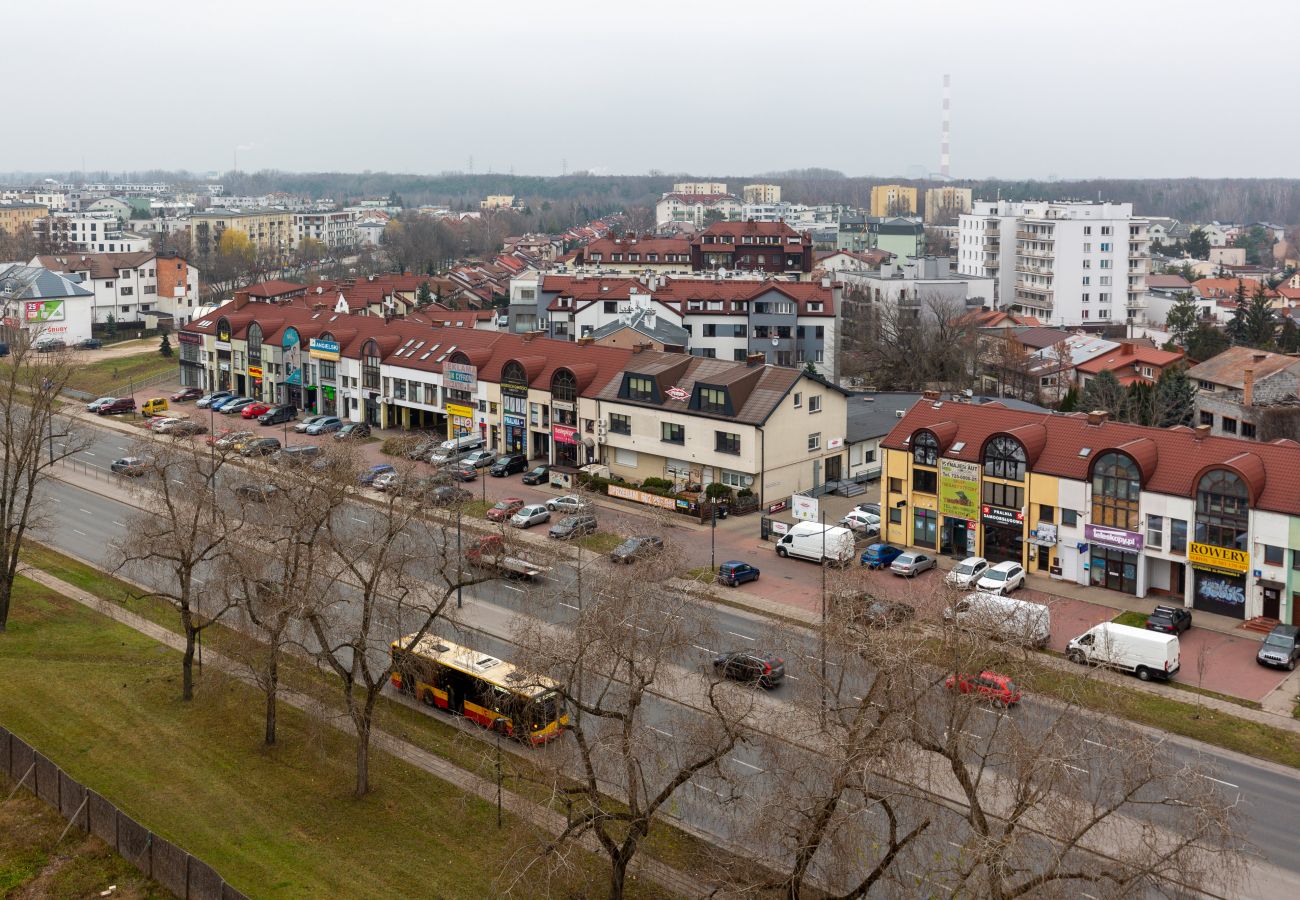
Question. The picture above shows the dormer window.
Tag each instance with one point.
(925, 449)
(641, 387)
(712, 400)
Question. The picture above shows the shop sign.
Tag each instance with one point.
(319, 348)
(996, 515)
(1114, 538)
(1218, 559)
(255, 372)
(780, 527)
(805, 508)
(959, 488)
(520, 390)
(774, 508)
(43, 311)
(678, 394)
(834, 443)
(464, 412)
(222, 345)
(563, 434)
(642, 497)
(1044, 535)
(463, 377)
(513, 421)
(186, 337)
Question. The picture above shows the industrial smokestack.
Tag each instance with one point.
(944, 158)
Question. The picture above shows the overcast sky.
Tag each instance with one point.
(1116, 89)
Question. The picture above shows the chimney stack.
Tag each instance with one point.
(1202, 432)
(755, 359)
(1248, 388)
(1126, 349)
(1098, 416)
(930, 395)
(1259, 357)
(241, 299)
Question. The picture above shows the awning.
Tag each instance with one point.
(588, 443)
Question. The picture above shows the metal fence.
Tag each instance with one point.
(126, 388)
(186, 876)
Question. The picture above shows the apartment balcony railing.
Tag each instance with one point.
(1027, 269)
(1038, 290)
(1035, 252)
(1042, 236)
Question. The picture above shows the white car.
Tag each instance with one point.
(383, 480)
(533, 514)
(162, 426)
(1003, 578)
(967, 572)
(862, 521)
(568, 503)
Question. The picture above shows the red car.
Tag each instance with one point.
(986, 686)
(253, 410)
(505, 509)
(190, 393)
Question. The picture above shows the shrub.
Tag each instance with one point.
(717, 491)
(399, 445)
(652, 483)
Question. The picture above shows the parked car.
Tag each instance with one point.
(462, 472)
(155, 406)
(233, 440)
(183, 428)
(277, 415)
(878, 556)
(260, 447)
(986, 686)
(478, 459)
(1169, 619)
(48, 344)
(882, 613)
(750, 667)
(635, 548)
(230, 400)
(117, 407)
(910, 564)
(94, 405)
(131, 466)
(384, 480)
(368, 477)
(872, 508)
(505, 509)
(1145, 654)
(257, 493)
(254, 410)
(568, 503)
(324, 425)
(539, 475)
(509, 464)
(164, 425)
(862, 522)
(185, 394)
(571, 527)
(207, 400)
(422, 449)
(352, 430)
(89, 344)
(236, 407)
(446, 495)
(1002, 619)
(817, 543)
(735, 573)
(1281, 648)
(306, 423)
(533, 514)
(967, 572)
(1003, 578)
(299, 455)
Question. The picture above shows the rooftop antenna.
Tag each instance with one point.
(944, 157)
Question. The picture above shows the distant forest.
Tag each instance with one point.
(1275, 200)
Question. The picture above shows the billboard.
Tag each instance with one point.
(959, 489)
(42, 311)
(460, 376)
(320, 348)
(805, 508)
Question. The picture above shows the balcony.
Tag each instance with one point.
(1027, 269)
(1037, 290)
(1037, 254)
(1040, 236)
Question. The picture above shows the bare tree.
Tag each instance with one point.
(35, 434)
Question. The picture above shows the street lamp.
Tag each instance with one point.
(459, 579)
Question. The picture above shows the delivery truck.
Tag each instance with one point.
(1002, 618)
(1146, 654)
(817, 542)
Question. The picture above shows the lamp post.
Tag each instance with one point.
(459, 600)
(713, 537)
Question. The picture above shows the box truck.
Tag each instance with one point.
(1146, 654)
(1002, 618)
(805, 540)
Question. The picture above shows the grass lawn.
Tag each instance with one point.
(32, 865)
(101, 700)
(1131, 618)
(107, 375)
(600, 542)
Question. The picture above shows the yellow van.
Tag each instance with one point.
(155, 407)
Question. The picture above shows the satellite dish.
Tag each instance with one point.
(776, 342)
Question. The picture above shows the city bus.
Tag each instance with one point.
(478, 686)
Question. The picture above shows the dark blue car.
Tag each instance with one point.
(369, 475)
(879, 556)
(736, 573)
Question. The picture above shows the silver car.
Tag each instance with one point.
(533, 514)
(306, 423)
(910, 564)
(568, 503)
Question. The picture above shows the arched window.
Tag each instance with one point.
(1116, 487)
(564, 386)
(925, 449)
(370, 365)
(1005, 458)
(254, 344)
(1222, 510)
(513, 373)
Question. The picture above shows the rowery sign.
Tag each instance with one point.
(1218, 559)
(1114, 538)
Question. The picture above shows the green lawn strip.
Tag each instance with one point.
(106, 375)
(428, 732)
(100, 700)
(33, 865)
(600, 541)
(1131, 618)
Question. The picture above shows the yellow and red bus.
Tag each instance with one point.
(478, 686)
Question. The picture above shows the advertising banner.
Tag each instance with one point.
(563, 434)
(1114, 538)
(460, 376)
(323, 349)
(805, 508)
(43, 311)
(1218, 559)
(959, 488)
(642, 497)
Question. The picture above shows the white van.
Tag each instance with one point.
(1004, 618)
(1147, 654)
(805, 541)
(455, 448)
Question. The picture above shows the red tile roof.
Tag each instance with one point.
(1226, 288)
(1126, 356)
(1171, 460)
(266, 289)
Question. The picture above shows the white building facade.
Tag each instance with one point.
(333, 229)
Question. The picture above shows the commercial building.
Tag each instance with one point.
(37, 302)
(761, 193)
(132, 287)
(1065, 263)
(1211, 522)
(893, 200)
(270, 231)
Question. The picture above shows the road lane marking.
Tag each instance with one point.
(119, 524)
(659, 731)
(1075, 768)
(82, 533)
(512, 588)
(56, 499)
(706, 790)
(827, 661)
(991, 712)
(571, 606)
(793, 677)
(86, 511)
(1235, 787)
(1095, 744)
(355, 519)
(705, 649)
(743, 637)
(746, 765)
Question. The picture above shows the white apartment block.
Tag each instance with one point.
(92, 232)
(1066, 263)
(333, 229)
(691, 207)
(49, 199)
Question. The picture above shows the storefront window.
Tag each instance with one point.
(925, 528)
(1005, 458)
(1222, 510)
(1115, 491)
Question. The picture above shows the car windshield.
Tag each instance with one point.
(540, 470)
(965, 569)
(1278, 640)
(504, 504)
(995, 575)
(904, 559)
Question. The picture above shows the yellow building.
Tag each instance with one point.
(943, 205)
(893, 200)
(497, 201)
(271, 231)
(14, 217)
(762, 193)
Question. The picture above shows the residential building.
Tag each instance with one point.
(899, 235)
(37, 302)
(699, 187)
(920, 287)
(833, 263)
(369, 232)
(132, 287)
(760, 193)
(497, 201)
(752, 247)
(1221, 294)
(691, 208)
(1130, 363)
(1215, 233)
(944, 204)
(1164, 230)
(270, 231)
(634, 254)
(1210, 522)
(1164, 290)
(1065, 263)
(114, 206)
(16, 216)
(333, 229)
(1248, 393)
(893, 200)
(92, 232)
(642, 326)
(37, 196)
(1228, 256)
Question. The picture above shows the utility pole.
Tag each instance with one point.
(821, 634)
